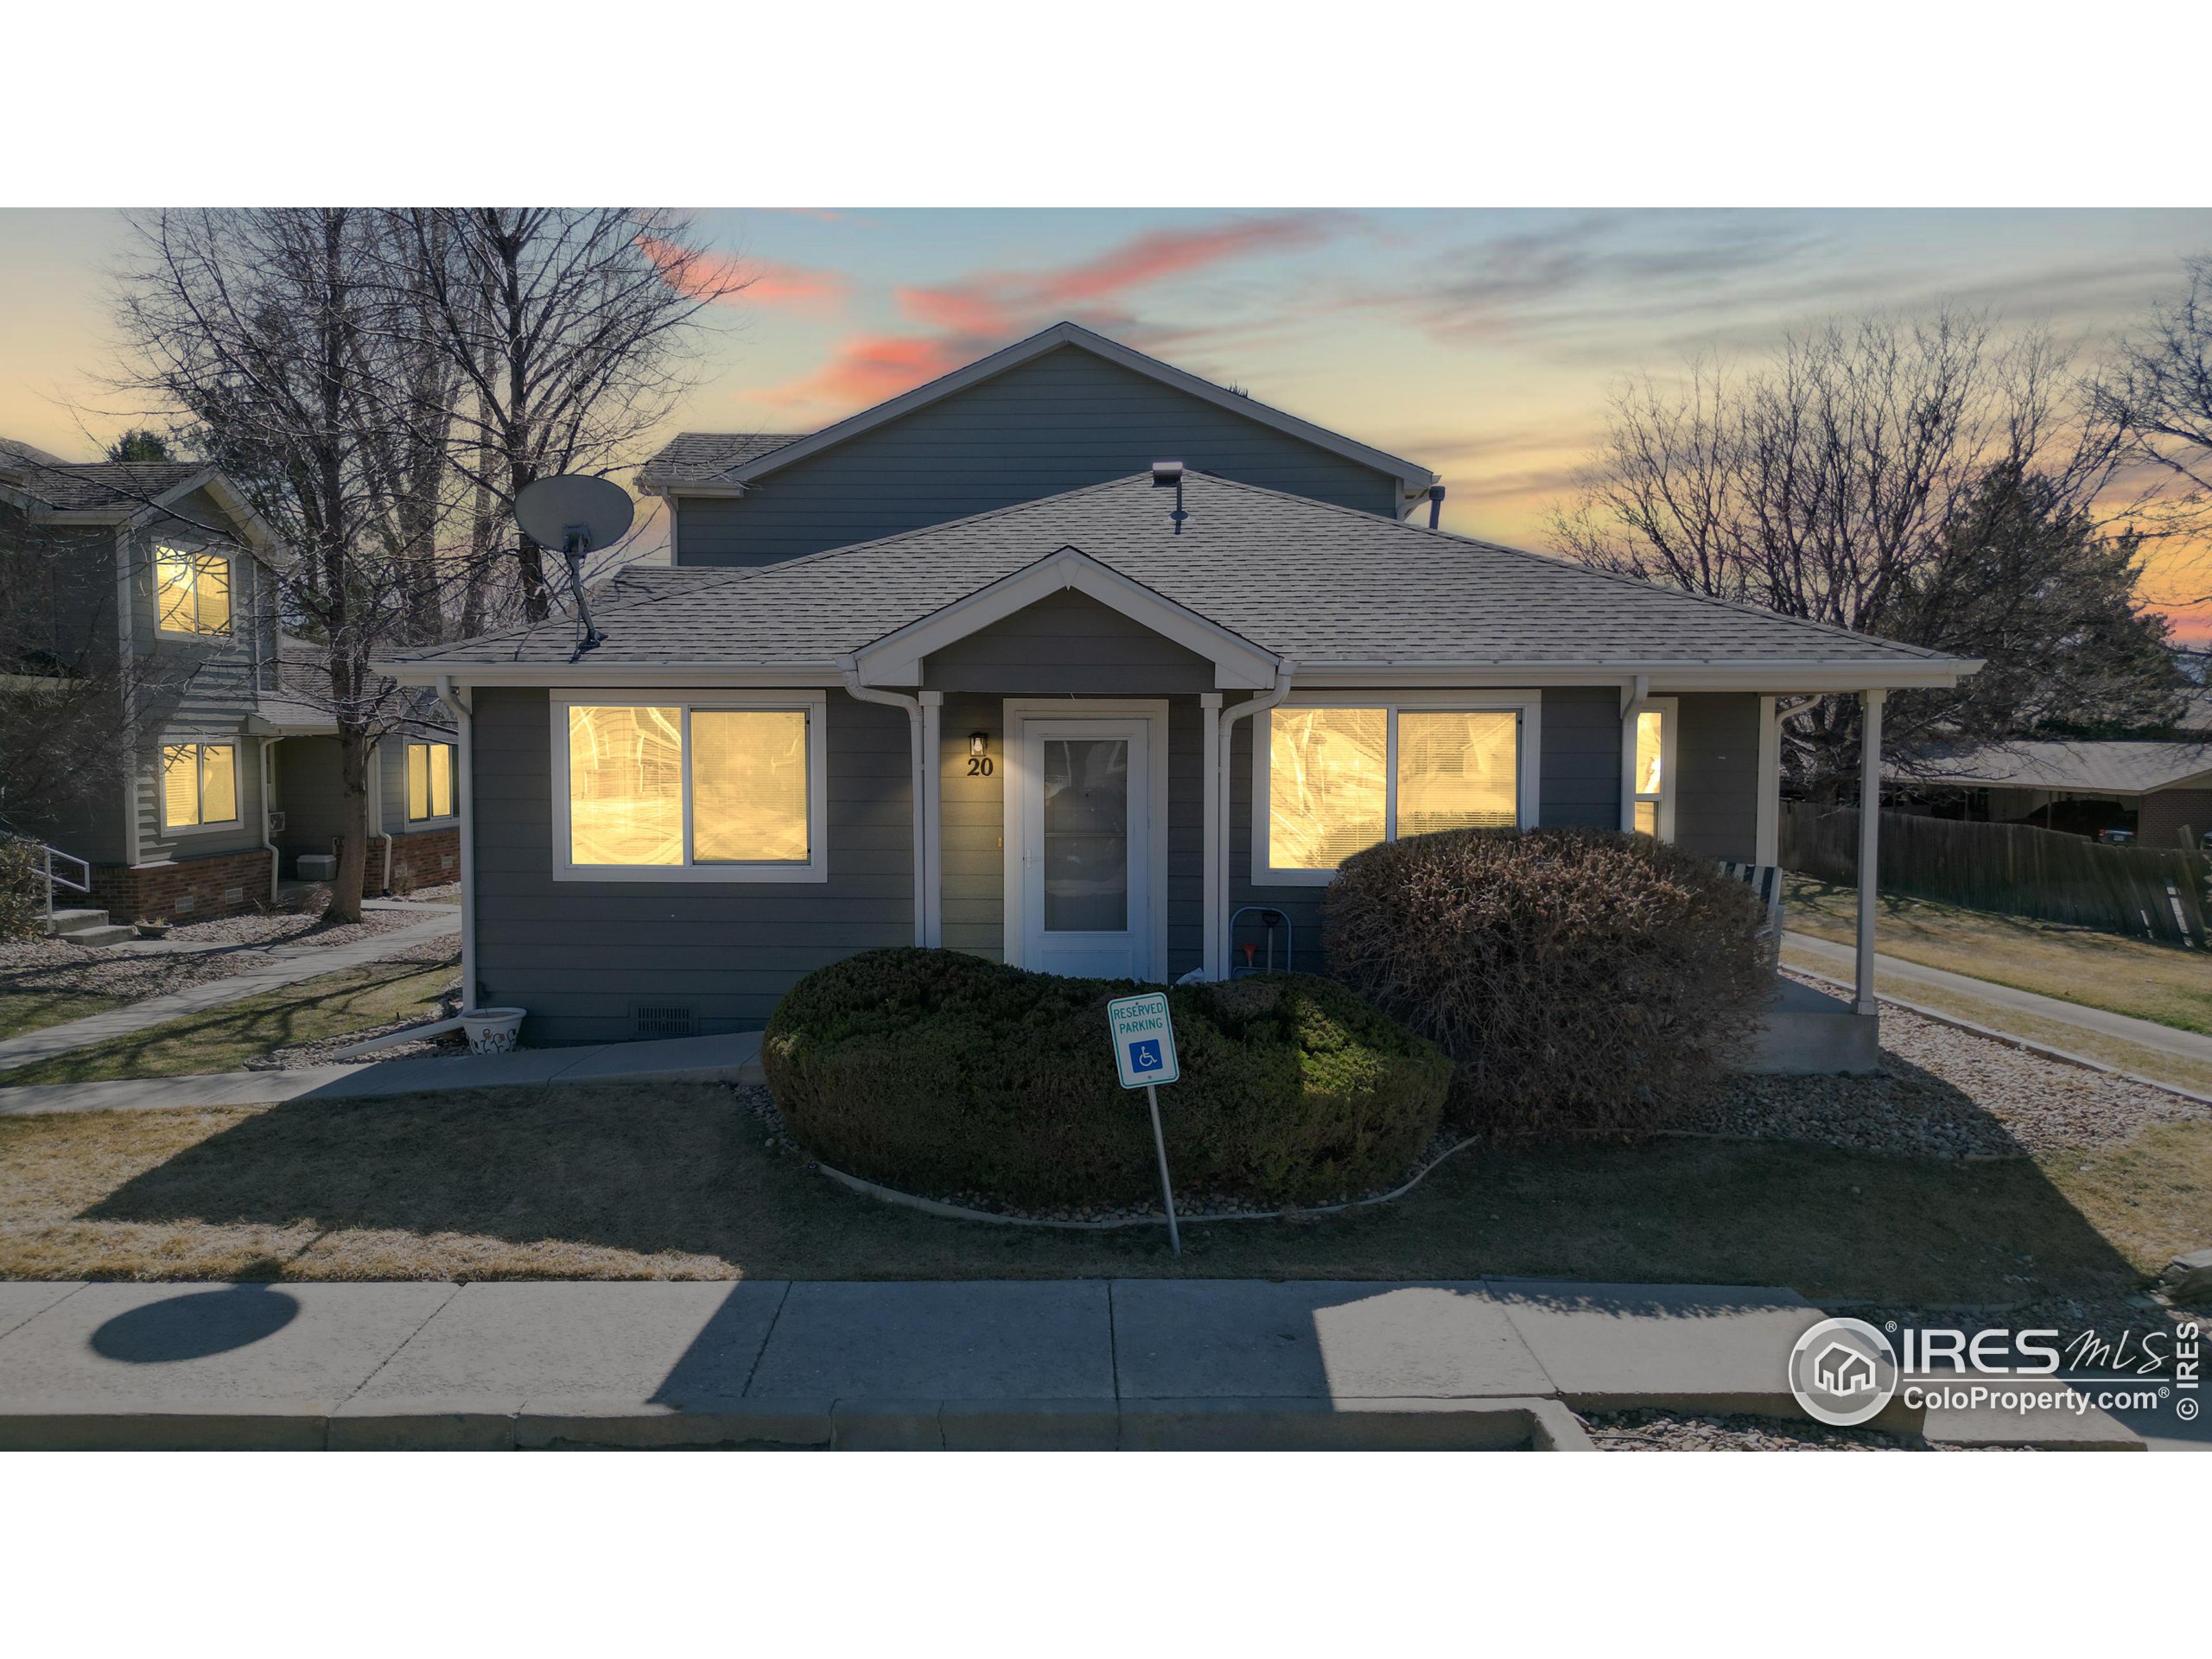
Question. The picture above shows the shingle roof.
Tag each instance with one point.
(2123, 768)
(90, 486)
(1299, 578)
(702, 457)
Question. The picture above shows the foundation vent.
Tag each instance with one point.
(660, 1019)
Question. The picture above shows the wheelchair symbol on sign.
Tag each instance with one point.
(1145, 1056)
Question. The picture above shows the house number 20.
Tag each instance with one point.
(979, 766)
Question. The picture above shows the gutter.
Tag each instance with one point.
(455, 702)
(1217, 856)
(923, 852)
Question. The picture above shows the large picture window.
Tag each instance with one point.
(192, 590)
(1341, 778)
(199, 784)
(704, 790)
(429, 781)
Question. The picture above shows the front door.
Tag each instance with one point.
(1086, 904)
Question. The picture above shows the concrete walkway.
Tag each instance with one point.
(1137, 1363)
(285, 964)
(1839, 959)
(734, 1057)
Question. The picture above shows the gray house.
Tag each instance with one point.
(1121, 719)
(159, 577)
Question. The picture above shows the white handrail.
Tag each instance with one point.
(46, 872)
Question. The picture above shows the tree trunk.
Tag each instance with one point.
(353, 838)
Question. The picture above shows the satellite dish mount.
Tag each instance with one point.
(573, 515)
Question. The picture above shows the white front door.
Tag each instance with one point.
(1086, 848)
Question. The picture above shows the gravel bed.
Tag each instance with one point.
(1189, 1205)
(1945, 1093)
(229, 946)
(1668, 1430)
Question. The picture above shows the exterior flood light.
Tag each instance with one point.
(979, 743)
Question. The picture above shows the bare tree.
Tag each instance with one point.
(2158, 391)
(1922, 479)
(568, 331)
(272, 333)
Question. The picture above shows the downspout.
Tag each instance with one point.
(850, 669)
(268, 840)
(456, 703)
(1225, 745)
(376, 771)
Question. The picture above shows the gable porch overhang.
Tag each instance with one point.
(897, 657)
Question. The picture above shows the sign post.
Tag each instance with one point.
(1144, 1055)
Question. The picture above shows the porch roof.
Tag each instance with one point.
(1341, 592)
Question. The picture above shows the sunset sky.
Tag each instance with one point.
(1480, 343)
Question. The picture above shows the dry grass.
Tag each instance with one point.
(634, 1181)
(222, 1038)
(2100, 971)
(22, 1011)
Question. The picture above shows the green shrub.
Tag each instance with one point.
(1585, 981)
(937, 1072)
(22, 892)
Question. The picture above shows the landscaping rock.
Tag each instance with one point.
(2189, 1278)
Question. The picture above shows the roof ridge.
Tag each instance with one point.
(1739, 607)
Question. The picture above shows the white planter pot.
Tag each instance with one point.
(490, 1031)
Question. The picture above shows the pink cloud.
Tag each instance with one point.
(751, 281)
(975, 314)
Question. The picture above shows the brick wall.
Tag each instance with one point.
(184, 889)
(429, 858)
(2160, 816)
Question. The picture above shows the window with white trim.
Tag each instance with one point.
(429, 781)
(199, 784)
(1340, 777)
(1652, 773)
(680, 788)
(192, 590)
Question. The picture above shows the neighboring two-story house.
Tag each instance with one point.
(159, 577)
(1073, 659)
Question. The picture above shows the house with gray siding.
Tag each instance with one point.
(159, 577)
(1124, 726)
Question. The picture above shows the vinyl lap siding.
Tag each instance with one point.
(1071, 644)
(580, 956)
(1717, 754)
(1059, 422)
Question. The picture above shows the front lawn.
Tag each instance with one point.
(2160, 982)
(28, 1010)
(675, 1181)
(222, 1038)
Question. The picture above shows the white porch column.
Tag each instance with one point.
(1213, 836)
(931, 850)
(1870, 840)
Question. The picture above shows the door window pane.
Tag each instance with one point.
(625, 785)
(1327, 784)
(1458, 771)
(1086, 851)
(748, 785)
(1649, 727)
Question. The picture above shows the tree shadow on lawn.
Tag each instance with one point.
(632, 1181)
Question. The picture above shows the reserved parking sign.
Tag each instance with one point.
(1144, 1040)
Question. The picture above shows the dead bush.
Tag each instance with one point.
(1583, 981)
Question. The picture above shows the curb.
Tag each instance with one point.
(857, 1425)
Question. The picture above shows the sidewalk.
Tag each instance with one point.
(733, 1058)
(1130, 1363)
(1840, 959)
(287, 964)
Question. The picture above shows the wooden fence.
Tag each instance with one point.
(2146, 892)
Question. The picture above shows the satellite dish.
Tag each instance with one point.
(553, 509)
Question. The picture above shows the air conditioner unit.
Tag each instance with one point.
(276, 823)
